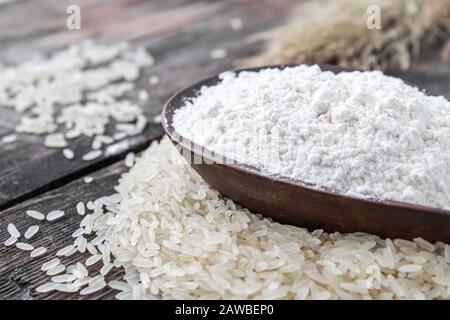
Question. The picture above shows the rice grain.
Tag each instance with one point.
(38, 252)
(55, 270)
(31, 231)
(24, 246)
(88, 179)
(68, 153)
(35, 215)
(50, 264)
(12, 230)
(9, 138)
(81, 210)
(10, 241)
(55, 215)
(65, 250)
(94, 154)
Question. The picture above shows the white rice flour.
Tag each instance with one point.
(360, 133)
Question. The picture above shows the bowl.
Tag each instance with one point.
(301, 204)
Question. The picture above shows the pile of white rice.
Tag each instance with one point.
(177, 238)
(79, 91)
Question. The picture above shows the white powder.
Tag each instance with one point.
(360, 133)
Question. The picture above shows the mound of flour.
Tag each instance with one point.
(359, 133)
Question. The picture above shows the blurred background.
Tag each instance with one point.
(182, 34)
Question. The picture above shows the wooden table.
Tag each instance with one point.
(180, 34)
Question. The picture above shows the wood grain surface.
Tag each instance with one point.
(19, 273)
(180, 35)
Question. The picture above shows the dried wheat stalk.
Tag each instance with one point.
(336, 32)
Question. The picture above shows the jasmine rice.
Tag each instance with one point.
(175, 237)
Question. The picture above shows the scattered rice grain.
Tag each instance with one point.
(35, 215)
(153, 80)
(91, 155)
(54, 215)
(218, 53)
(81, 210)
(88, 179)
(129, 160)
(10, 241)
(236, 24)
(31, 231)
(12, 230)
(55, 270)
(68, 153)
(24, 246)
(50, 264)
(9, 138)
(38, 252)
(95, 288)
(63, 251)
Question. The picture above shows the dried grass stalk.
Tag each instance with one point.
(336, 32)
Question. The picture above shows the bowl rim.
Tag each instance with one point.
(210, 155)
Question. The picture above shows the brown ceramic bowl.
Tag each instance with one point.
(297, 203)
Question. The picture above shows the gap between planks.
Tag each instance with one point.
(96, 166)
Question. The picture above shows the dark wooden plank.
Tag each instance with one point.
(180, 37)
(19, 273)
(428, 71)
